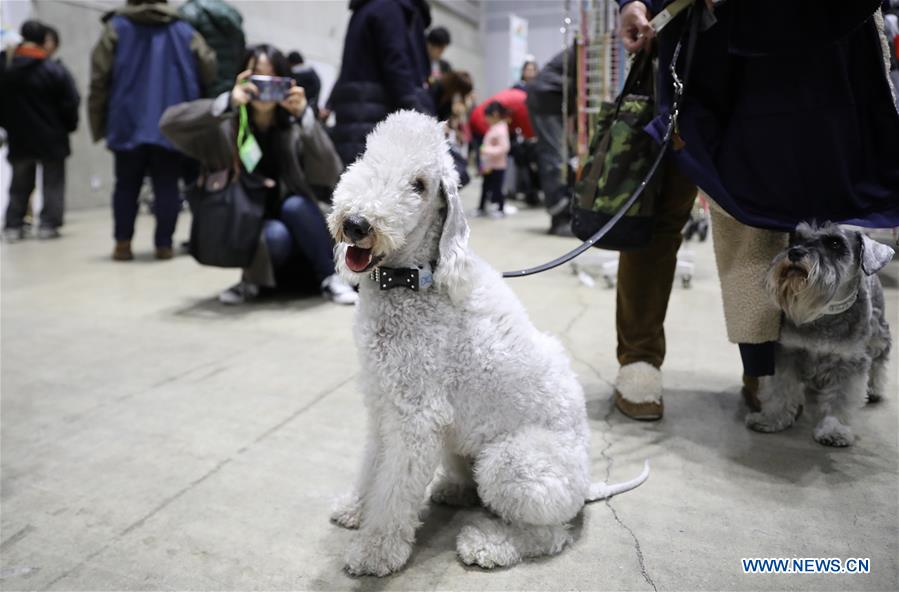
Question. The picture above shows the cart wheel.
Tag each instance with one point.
(685, 281)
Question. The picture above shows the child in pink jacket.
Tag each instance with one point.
(494, 157)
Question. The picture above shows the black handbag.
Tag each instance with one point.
(227, 218)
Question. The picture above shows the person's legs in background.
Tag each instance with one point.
(309, 231)
(548, 128)
(165, 170)
(645, 277)
(743, 254)
(51, 218)
(130, 166)
(485, 194)
(497, 195)
(20, 188)
(278, 242)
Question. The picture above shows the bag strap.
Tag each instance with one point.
(642, 64)
(695, 18)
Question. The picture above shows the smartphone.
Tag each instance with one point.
(272, 88)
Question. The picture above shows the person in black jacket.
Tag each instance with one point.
(545, 92)
(385, 68)
(38, 109)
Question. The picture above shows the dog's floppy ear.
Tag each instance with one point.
(874, 255)
(454, 261)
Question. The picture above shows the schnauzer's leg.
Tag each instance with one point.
(347, 510)
(410, 452)
(536, 481)
(781, 397)
(835, 407)
(878, 378)
(455, 484)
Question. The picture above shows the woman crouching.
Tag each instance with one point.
(293, 160)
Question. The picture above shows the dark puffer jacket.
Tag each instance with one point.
(221, 25)
(38, 105)
(385, 68)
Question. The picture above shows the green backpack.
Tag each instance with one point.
(621, 157)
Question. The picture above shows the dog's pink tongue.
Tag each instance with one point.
(357, 259)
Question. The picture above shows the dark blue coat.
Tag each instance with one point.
(154, 68)
(788, 116)
(385, 67)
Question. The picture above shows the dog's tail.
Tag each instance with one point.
(601, 491)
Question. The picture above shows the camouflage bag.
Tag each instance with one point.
(621, 159)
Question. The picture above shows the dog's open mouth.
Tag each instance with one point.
(359, 259)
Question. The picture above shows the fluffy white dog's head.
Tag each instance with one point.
(398, 205)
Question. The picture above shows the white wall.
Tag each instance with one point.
(544, 18)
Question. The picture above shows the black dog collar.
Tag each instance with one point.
(414, 278)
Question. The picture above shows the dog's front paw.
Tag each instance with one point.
(830, 432)
(486, 549)
(380, 555)
(768, 422)
(454, 493)
(347, 511)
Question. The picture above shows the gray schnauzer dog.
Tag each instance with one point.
(835, 339)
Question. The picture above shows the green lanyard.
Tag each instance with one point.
(242, 131)
(247, 146)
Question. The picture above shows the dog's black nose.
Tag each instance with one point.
(356, 228)
(795, 254)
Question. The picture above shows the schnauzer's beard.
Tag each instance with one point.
(802, 290)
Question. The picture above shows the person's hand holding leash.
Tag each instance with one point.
(633, 26)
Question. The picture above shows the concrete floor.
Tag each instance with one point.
(153, 439)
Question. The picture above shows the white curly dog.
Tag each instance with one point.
(454, 372)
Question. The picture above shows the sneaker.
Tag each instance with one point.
(13, 235)
(239, 293)
(122, 251)
(497, 214)
(510, 210)
(47, 233)
(335, 289)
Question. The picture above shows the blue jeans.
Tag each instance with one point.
(164, 167)
(300, 234)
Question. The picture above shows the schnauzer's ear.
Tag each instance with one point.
(874, 255)
(454, 261)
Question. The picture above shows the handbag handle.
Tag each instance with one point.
(695, 18)
(640, 71)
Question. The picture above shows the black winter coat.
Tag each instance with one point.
(38, 107)
(385, 67)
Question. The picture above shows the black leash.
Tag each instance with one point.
(695, 18)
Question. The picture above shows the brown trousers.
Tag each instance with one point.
(645, 276)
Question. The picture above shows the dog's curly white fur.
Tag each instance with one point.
(454, 375)
(835, 338)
